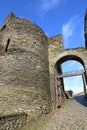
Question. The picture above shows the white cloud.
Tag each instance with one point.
(44, 6)
(74, 89)
(74, 83)
(81, 68)
(68, 29)
(71, 64)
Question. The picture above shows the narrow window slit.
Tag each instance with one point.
(8, 41)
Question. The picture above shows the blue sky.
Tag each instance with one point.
(64, 17)
(74, 83)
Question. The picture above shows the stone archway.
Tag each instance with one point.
(59, 79)
(58, 55)
(55, 66)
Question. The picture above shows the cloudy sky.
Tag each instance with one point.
(64, 17)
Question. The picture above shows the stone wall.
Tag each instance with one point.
(24, 67)
(57, 57)
(55, 44)
(55, 47)
(12, 122)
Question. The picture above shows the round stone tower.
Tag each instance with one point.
(24, 67)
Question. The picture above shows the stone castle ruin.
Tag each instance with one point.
(29, 63)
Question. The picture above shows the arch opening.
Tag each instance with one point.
(75, 81)
(69, 57)
(59, 73)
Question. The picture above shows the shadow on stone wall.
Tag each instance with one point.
(13, 121)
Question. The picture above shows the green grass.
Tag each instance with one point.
(1, 113)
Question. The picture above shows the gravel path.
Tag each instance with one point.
(72, 116)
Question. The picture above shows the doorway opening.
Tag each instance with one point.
(70, 74)
(75, 82)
